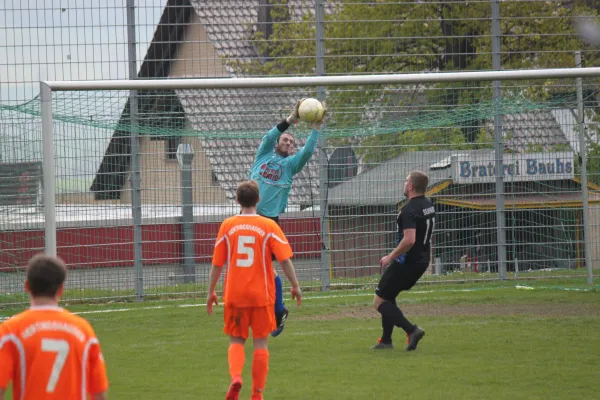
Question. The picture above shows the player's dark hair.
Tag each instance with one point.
(247, 194)
(286, 133)
(45, 275)
(420, 180)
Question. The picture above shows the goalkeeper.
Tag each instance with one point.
(274, 168)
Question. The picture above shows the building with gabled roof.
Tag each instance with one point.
(199, 39)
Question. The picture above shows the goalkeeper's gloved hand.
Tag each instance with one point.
(318, 125)
(294, 116)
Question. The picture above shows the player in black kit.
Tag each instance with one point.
(407, 262)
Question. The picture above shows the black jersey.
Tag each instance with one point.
(418, 213)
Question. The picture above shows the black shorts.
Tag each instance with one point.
(398, 277)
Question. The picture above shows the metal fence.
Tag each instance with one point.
(126, 224)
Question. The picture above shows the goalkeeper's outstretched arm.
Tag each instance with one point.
(300, 159)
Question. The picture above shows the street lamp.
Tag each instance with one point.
(185, 155)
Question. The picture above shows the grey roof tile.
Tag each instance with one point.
(217, 111)
(230, 24)
(367, 188)
(526, 131)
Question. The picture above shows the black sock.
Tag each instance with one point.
(392, 313)
(388, 328)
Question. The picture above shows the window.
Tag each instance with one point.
(171, 144)
(343, 166)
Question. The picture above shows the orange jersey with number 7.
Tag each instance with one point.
(246, 243)
(49, 353)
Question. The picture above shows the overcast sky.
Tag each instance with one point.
(68, 39)
(57, 40)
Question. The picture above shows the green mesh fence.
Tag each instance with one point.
(375, 136)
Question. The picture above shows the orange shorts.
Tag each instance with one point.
(239, 320)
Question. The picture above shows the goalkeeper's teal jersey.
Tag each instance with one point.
(275, 173)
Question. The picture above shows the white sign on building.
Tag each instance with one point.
(517, 167)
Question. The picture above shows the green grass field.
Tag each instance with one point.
(497, 343)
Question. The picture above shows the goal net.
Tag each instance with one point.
(121, 188)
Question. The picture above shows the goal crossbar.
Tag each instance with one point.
(382, 79)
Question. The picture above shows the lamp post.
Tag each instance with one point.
(185, 155)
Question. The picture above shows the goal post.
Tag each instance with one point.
(428, 116)
(48, 167)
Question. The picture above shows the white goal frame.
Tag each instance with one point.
(48, 87)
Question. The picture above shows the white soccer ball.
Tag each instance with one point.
(311, 110)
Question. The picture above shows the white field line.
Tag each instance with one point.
(111, 310)
(307, 299)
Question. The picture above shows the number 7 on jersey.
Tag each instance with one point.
(61, 348)
(429, 230)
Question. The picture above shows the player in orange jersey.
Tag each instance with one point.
(246, 242)
(47, 352)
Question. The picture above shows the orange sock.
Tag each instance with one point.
(236, 357)
(260, 369)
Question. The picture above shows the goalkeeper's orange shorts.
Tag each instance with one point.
(238, 321)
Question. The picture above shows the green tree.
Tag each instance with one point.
(593, 163)
(409, 36)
